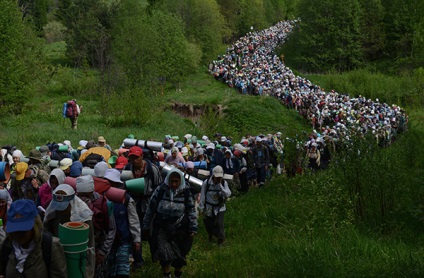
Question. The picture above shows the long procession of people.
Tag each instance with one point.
(168, 184)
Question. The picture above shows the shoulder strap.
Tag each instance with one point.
(5, 253)
(46, 247)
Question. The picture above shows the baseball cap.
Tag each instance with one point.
(211, 146)
(120, 163)
(136, 151)
(218, 172)
(21, 216)
(61, 201)
(65, 164)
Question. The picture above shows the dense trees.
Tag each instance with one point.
(20, 59)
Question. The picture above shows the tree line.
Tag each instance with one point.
(141, 46)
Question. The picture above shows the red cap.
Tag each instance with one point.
(135, 150)
(120, 163)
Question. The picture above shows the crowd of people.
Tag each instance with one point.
(182, 181)
(252, 67)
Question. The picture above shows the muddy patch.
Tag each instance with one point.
(195, 111)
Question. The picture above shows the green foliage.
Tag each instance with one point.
(204, 25)
(88, 24)
(328, 37)
(21, 60)
(35, 11)
(151, 50)
(54, 31)
(406, 90)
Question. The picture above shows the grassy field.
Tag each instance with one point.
(307, 226)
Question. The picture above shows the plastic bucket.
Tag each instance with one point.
(4, 171)
(126, 175)
(71, 181)
(74, 239)
(116, 195)
(135, 185)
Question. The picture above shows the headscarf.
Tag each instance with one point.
(180, 188)
(59, 174)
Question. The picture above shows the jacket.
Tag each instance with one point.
(35, 267)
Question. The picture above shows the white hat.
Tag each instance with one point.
(17, 153)
(188, 136)
(258, 139)
(100, 169)
(200, 151)
(218, 172)
(204, 137)
(84, 184)
(113, 175)
(83, 143)
(65, 163)
(210, 146)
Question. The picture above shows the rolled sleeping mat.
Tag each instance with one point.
(194, 182)
(126, 175)
(116, 195)
(71, 181)
(101, 185)
(24, 159)
(201, 142)
(87, 171)
(135, 185)
(165, 168)
(228, 178)
(4, 172)
(156, 146)
(201, 164)
(54, 163)
(64, 149)
(203, 174)
(74, 239)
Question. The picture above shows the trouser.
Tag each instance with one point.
(74, 122)
(215, 225)
(261, 174)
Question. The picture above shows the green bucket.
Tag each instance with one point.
(135, 185)
(74, 239)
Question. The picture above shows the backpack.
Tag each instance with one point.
(120, 211)
(46, 247)
(71, 109)
(100, 213)
(91, 160)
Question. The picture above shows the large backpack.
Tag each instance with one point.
(71, 109)
(46, 247)
(92, 159)
(120, 211)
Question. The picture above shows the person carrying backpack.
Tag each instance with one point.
(103, 222)
(214, 193)
(28, 252)
(170, 223)
(72, 110)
